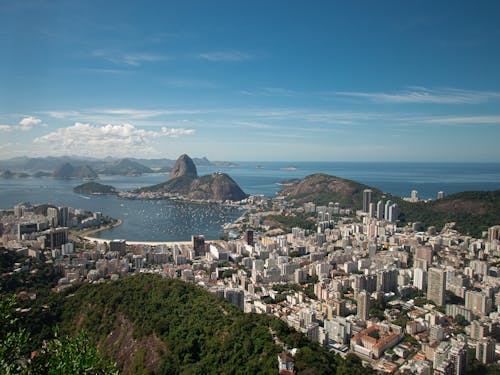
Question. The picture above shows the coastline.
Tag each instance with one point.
(85, 234)
(146, 243)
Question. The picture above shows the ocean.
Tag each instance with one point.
(174, 221)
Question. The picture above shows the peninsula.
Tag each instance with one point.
(184, 183)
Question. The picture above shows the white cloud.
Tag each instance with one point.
(130, 59)
(452, 120)
(231, 56)
(26, 123)
(102, 140)
(29, 122)
(423, 95)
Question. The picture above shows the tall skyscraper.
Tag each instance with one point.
(386, 208)
(436, 285)
(380, 210)
(478, 302)
(372, 210)
(367, 199)
(458, 356)
(420, 278)
(363, 305)
(485, 350)
(393, 213)
(53, 216)
(63, 216)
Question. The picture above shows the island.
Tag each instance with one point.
(95, 188)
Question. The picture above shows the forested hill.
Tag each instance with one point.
(472, 211)
(149, 324)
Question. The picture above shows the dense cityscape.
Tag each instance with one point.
(400, 298)
(339, 213)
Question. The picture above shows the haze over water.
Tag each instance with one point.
(174, 221)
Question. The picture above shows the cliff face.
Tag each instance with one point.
(184, 166)
(184, 181)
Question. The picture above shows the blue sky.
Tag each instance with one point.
(251, 80)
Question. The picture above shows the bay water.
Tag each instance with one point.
(165, 220)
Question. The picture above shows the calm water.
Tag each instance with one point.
(170, 221)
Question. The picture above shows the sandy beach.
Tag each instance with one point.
(150, 243)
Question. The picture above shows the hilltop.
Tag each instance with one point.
(472, 212)
(184, 181)
(126, 167)
(322, 188)
(150, 324)
(67, 170)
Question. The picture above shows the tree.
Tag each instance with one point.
(65, 355)
(12, 339)
(71, 355)
(461, 321)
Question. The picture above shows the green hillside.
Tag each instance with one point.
(149, 324)
(472, 211)
(94, 188)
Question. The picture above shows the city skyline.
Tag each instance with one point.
(284, 81)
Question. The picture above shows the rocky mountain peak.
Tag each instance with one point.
(184, 166)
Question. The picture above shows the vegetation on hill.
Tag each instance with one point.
(322, 188)
(59, 355)
(149, 324)
(94, 188)
(287, 222)
(472, 211)
(19, 273)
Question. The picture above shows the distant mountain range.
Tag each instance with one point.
(126, 167)
(67, 170)
(41, 167)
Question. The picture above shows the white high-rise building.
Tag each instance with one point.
(393, 213)
(386, 208)
(372, 210)
(380, 210)
(420, 278)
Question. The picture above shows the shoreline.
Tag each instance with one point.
(100, 229)
(150, 243)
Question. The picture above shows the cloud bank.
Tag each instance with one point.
(83, 138)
